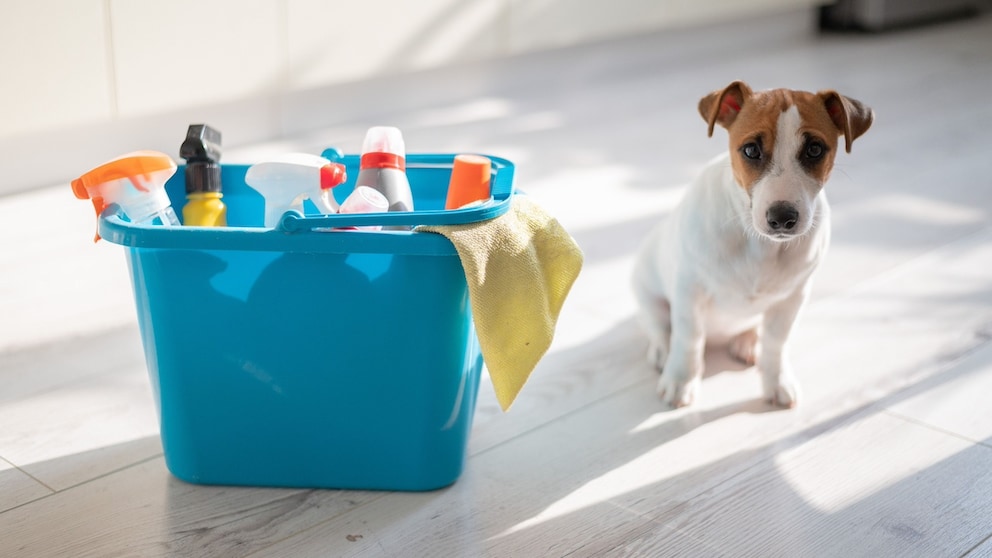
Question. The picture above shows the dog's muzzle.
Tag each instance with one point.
(782, 218)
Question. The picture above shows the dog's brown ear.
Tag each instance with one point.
(722, 106)
(851, 117)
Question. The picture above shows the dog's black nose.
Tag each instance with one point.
(782, 215)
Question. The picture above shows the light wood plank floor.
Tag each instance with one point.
(889, 453)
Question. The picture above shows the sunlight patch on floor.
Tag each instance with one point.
(611, 190)
(633, 475)
(77, 420)
(817, 474)
(675, 456)
(917, 209)
(476, 110)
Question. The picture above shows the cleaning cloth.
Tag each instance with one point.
(519, 268)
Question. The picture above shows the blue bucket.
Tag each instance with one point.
(303, 357)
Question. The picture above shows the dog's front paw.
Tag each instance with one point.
(677, 392)
(784, 392)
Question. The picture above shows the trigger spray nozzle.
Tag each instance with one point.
(202, 149)
(284, 181)
(135, 182)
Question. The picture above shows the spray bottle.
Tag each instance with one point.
(285, 181)
(136, 183)
(201, 149)
(383, 167)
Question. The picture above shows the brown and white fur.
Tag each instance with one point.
(733, 262)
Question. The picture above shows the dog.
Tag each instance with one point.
(733, 262)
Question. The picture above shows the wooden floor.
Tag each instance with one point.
(889, 453)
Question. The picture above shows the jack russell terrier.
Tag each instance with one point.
(734, 260)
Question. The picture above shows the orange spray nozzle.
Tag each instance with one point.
(130, 180)
(79, 189)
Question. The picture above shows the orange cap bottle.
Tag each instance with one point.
(469, 183)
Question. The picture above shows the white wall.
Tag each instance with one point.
(85, 74)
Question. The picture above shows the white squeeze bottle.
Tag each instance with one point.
(285, 181)
(383, 167)
(365, 200)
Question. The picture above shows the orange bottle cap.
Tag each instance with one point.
(470, 175)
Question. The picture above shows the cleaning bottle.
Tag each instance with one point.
(364, 200)
(469, 183)
(383, 166)
(201, 149)
(285, 181)
(135, 182)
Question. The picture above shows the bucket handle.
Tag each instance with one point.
(293, 221)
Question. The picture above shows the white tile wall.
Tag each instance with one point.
(112, 71)
(54, 68)
(690, 12)
(536, 24)
(184, 53)
(346, 41)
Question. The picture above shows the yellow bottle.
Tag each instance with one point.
(205, 209)
(201, 149)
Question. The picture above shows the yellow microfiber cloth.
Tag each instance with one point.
(519, 268)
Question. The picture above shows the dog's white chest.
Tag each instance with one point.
(749, 277)
(768, 273)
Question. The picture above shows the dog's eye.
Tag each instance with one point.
(814, 150)
(751, 151)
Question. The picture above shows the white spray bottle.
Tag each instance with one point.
(285, 181)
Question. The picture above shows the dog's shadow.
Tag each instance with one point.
(717, 360)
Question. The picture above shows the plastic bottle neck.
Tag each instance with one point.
(381, 160)
(195, 196)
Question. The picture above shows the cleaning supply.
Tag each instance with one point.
(285, 181)
(136, 183)
(365, 200)
(469, 181)
(201, 150)
(383, 166)
(519, 268)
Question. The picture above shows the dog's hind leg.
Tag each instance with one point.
(744, 346)
(655, 317)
